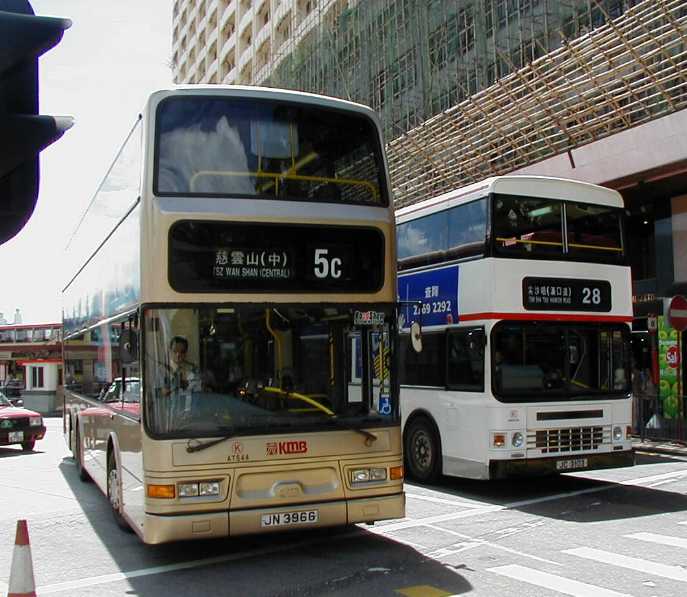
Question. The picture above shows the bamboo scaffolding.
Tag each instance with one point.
(625, 73)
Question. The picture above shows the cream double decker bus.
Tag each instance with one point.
(524, 295)
(231, 328)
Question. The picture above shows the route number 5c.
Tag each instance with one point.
(326, 267)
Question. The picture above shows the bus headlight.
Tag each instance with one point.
(208, 488)
(517, 440)
(366, 475)
(617, 433)
(35, 421)
(199, 489)
(188, 490)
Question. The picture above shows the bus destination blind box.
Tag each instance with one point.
(220, 257)
(566, 294)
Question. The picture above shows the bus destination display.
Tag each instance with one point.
(252, 264)
(566, 294)
(226, 257)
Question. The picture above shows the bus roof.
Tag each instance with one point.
(530, 186)
(266, 92)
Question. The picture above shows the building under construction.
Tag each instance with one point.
(594, 90)
(464, 88)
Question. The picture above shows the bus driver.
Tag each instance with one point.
(183, 374)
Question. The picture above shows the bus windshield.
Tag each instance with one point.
(536, 227)
(266, 149)
(536, 362)
(249, 369)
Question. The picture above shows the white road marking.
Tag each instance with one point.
(408, 523)
(683, 522)
(637, 564)
(492, 545)
(474, 510)
(436, 500)
(554, 582)
(661, 539)
(672, 476)
(119, 576)
(452, 550)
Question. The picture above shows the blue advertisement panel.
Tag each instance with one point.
(438, 292)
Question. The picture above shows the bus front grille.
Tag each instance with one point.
(568, 439)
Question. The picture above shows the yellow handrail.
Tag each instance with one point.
(299, 396)
(280, 176)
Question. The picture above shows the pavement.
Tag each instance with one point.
(674, 448)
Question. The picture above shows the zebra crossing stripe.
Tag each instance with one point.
(662, 539)
(554, 582)
(637, 564)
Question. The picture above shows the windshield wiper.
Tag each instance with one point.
(370, 438)
(193, 445)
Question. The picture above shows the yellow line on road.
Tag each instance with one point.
(423, 591)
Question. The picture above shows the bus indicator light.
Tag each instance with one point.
(498, 440)
(165, 492)
(396, 473)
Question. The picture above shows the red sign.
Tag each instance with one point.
(677, 313)
(673, 357)
(288, 447)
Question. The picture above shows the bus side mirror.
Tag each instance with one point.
(416, 336)
(128, 347)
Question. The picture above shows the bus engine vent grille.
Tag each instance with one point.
(568, 439)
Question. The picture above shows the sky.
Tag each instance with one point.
(112, 57)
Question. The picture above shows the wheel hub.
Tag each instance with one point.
(113, 489)
(422, 450)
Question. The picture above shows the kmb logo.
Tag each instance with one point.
(291, 447)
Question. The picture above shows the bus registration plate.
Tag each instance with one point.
(280, 519)
(571, 464)
(16, 436)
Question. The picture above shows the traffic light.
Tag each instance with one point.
(23, 133)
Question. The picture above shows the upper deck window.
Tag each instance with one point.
(245, 147)
(536, 227)
(454, 232)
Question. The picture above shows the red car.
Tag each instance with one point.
(19, 425)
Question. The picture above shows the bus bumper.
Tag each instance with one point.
(530, 467)
(166, 528)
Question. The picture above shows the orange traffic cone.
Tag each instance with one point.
(21, 572)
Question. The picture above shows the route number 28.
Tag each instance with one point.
(591, 296)
(326, 266)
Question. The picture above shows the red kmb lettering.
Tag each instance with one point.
(293, 447)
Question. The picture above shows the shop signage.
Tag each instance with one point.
(673, 357)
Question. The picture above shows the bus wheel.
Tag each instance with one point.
(422, 450)
(114, 493)
(28, 446)
(83, 475)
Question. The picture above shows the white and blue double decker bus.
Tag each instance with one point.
(522, 289)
